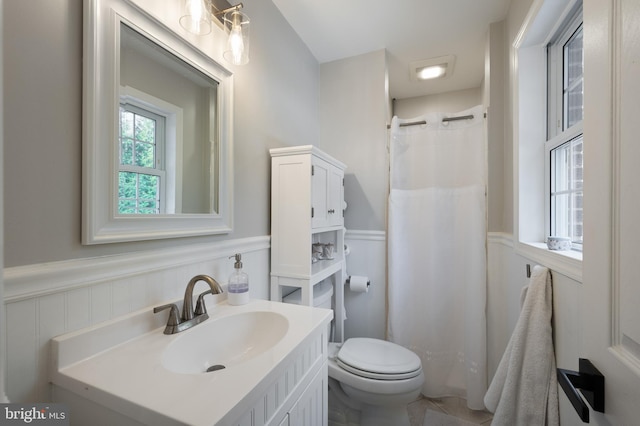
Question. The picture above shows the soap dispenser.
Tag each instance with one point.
(238, 287)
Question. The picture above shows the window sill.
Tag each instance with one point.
(568, 263)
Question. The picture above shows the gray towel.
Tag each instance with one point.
(524, 390)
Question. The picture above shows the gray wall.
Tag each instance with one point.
(353, 115)
(3, 395)
(276, 104)
(500, 197)
(354, 111)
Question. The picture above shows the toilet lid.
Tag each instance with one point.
(378, 359)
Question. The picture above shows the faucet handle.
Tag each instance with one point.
(201, 308)
(173, 313)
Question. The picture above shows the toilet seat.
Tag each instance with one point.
(378, 359)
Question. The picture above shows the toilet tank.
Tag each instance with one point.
(322, 293)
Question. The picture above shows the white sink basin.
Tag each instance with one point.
(130, 367)
(224, 342)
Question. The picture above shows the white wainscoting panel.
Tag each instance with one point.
(506, 277)
(45, 300)
(366, 312)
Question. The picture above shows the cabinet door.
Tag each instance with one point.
(327, 194)
(319, 193)
(335, 196)
(311, 409)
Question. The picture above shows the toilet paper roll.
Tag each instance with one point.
(358, 283)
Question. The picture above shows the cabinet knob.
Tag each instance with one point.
(332, 211)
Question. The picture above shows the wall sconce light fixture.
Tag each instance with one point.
(237, 25)
(195, 17)
(198, 14)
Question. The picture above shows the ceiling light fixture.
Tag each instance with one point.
(433, 71)
(196, 18)
(440, 67)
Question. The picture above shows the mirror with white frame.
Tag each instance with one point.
(156, 128)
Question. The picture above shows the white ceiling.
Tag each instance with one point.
(410, 30)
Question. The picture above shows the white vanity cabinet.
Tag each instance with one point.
(310, 410)
(307, 207)
(284, 384)
(299, 397)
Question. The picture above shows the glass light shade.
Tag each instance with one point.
(195, 16)
(237, 24)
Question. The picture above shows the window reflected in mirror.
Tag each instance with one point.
(141, 174)
(167, 143)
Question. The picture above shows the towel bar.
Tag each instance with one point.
(590, 382)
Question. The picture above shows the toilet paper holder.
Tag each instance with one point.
(349, 281)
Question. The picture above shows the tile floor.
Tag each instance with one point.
(453, 406)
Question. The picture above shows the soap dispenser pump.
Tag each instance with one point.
(238, 287)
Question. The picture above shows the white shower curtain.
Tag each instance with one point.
(437, 251)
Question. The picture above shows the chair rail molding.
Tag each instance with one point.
(359, 234)
(29, 281)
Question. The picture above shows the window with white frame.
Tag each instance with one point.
(564, 145)
(547, 95)
(141, 175)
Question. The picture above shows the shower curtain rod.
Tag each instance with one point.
(445, 119)
(462, 117)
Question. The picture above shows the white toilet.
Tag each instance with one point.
(379, 378)
(373, 378)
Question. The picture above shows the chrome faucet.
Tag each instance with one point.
(187, 306)
(190, 317)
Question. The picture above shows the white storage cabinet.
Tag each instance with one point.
(307, 199)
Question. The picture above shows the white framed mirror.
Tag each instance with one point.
(157, 126)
